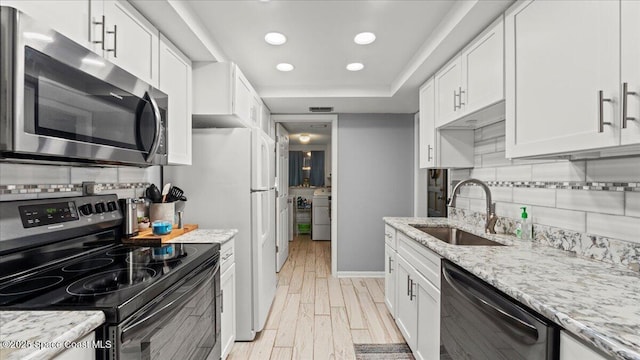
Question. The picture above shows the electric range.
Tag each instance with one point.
(66, 254)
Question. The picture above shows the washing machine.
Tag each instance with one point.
(321, 215)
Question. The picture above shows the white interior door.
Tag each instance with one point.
(282, 193)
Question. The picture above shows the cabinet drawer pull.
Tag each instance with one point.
(460, 97)
(601, 101)
(101, 41)
(625, 94)
(390, 261)
(115, 41)
(408, 285)
(429, 157)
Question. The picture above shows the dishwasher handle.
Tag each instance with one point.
(486, 301)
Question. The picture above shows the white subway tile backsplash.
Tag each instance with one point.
(134, 175)
(514, 173)
(508, 209)
(494, 130)
(472, 192)
(618, 227)
(495, 159)
(607, 202)
(122, 193)
(33, 174)
(477, 161)
(504, 194)
(484, 174)
(99, 175)
(459, 174)
(632, 204)
(13, 197)
(478, 205)
(485, 147)
(564, 219)
(532, 196)
(610, 170)
(501, 143)
(57, 194)
(560, 171)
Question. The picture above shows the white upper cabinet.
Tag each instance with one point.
(69, 17)
(125, 38)
(473, 79)
(563, 76)
(441, 148)
(175, 81)
(223, 96)
(630, 61)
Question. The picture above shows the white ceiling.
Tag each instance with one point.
(320, 132)
(414, 38)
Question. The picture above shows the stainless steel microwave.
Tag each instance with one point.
(62, 102)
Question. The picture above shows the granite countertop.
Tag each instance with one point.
(593, 300)
(205, 236)
(43, 334)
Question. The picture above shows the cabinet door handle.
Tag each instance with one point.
(455, 95)
(460, 97)
(601, 101)
(408, 285)
(221, 301)
(412, 295)
(429, 157)
(625, 94)
(390, 261)
(115, 41)
(101, 41)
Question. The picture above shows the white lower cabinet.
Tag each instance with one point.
(571, 349)
(417, 296)
(80, 352)
(228, 288)
(390, 269)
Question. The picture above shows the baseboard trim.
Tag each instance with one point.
(362, 274)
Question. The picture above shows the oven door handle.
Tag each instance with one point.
(482, 300)
(158, 134)
(155, 313)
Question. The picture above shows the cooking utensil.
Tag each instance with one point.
(165, 191)
(153, 193)
(175, 194)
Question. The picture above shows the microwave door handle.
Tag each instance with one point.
(129, 332)
(156, 139)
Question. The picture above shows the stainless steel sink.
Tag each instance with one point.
(455, 236)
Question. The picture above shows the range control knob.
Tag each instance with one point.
(86, 209)
(111, 205)
(100, 208)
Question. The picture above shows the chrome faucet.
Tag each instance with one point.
(491, 207)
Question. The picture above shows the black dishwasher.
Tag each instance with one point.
(478, 322)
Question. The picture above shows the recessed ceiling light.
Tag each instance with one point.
(304, 138)
(285, 67)
(364, 38)
(275, 38)
(355, 66)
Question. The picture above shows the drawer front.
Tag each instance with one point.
(390, 236)
(227, 256)
(422, 259)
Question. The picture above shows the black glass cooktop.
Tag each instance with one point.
(115, 278)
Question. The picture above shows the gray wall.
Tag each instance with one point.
(376, 172)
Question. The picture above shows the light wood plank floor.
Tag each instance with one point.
(317, 316)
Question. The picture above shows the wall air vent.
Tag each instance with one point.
(321, 109)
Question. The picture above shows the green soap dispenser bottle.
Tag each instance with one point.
(524, 228)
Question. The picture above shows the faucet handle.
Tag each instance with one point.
(492, 209)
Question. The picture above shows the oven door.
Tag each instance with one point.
(70, 103)
(182, 323)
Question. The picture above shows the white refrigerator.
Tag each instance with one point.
(230, 185)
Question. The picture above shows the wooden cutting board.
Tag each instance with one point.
(146, 236)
